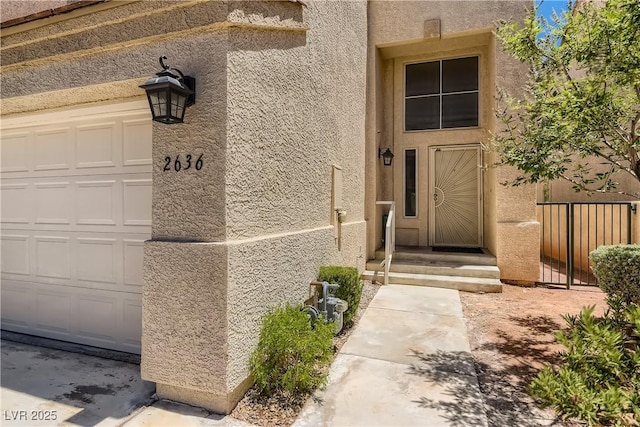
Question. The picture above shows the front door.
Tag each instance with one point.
(455, 214)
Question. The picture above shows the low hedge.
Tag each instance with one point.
(291, 356)
(617, 269)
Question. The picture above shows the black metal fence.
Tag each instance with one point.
(570, 230)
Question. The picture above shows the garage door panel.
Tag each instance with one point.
(54, 202)
(136, 141)
(15, 152)
(87, 202)
(97, 260)
(17, 310)
(53, 257)
(76, 193)
(96, 202)
(132, 263)
(92, 310)
(53, 150)
(132, 316)
(96, 146)
(137, 199)
(15, 254)
(53, 310)
(16, 203)
(100, 318)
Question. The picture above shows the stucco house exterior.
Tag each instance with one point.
(106, 241)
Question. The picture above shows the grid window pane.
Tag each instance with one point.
(423, 79)
(422, 113)
(410, 183)
(459, 75)
(460, 110)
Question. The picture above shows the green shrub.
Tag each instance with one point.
(290, 355)
(599, 379)
(350, 286)
(617, 269)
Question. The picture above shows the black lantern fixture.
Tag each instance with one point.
(170, 94)
(387, 156)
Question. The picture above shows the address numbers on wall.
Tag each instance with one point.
(179, 163)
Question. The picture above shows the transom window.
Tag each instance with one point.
(441, 94)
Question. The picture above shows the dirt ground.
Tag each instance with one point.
(512, 336)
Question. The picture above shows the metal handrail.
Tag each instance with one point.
(389, 238)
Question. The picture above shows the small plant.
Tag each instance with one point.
(290, 355)
(350, 288)
(599, 379)
(617, 269)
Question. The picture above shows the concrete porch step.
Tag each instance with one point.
(438, 268)
(426, 255)
(461, 283)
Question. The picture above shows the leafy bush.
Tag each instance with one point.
(599, 379)
(617, 269)
(290, 355)
(350, 286)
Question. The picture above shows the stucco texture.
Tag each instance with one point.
(184, 315)
(296, 107)
(269, 271)
(280, 99)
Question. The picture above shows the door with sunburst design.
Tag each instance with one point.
(455, 208)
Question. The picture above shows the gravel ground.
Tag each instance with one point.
(280, 409)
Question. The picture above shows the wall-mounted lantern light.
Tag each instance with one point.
(387, 156)
(170, 94)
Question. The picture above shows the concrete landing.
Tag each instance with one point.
(407, 363)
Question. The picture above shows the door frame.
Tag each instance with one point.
(412, 231)
(479, 199)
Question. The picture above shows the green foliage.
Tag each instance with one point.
(350, 286)
(290, 355)
(599, 379)
(617, 269)
(580, 120)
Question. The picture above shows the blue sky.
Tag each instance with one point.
(545, 7)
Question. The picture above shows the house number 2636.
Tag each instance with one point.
(179, 164)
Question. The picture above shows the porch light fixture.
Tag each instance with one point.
(169, 94)
(387, 156)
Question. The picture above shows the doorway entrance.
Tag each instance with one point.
(455, 204)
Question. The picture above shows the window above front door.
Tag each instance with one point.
(441, 94)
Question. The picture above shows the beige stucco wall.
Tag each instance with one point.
(280, 100)
(296, 109)
(562, 191)
(433, 30)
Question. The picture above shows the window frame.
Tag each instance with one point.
(439, 94)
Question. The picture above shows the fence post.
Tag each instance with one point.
(629, 224)
(570, 235)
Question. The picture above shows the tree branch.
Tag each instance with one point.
(583, 187)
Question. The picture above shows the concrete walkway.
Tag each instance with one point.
(408, 362)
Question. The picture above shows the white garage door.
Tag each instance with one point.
(76, 210)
